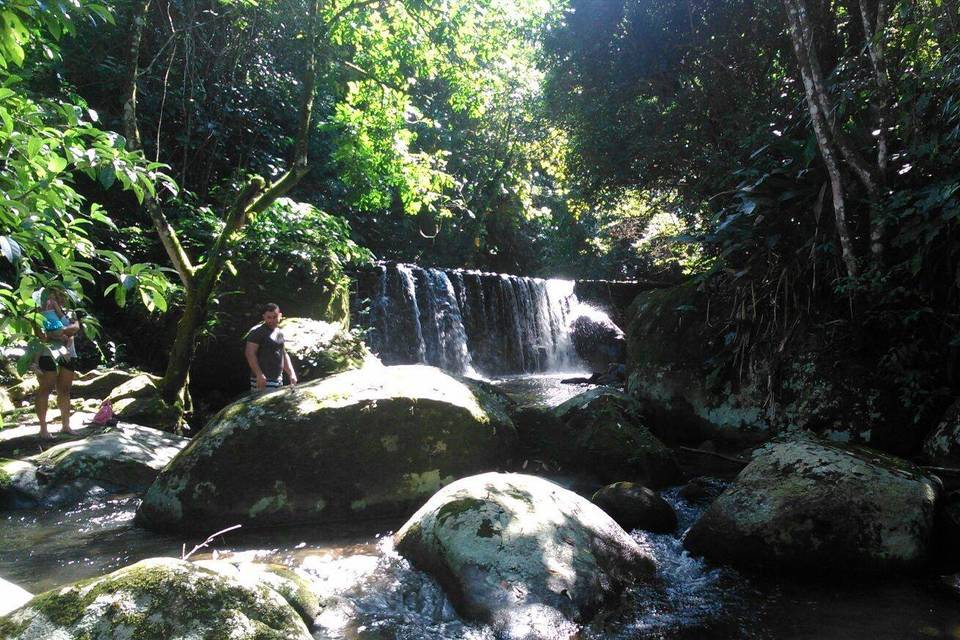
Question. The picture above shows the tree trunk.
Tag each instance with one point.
(803, 48)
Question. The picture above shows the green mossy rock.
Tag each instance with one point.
(522, 553)
(138, 401)
(100, 383)
(809, 506)
(158, 599)
(295, 588)
(362, 444)
(606, 436)
(318, 349)
(127, 455)
(634, 506)
(669, 347)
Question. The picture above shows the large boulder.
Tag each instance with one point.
(318, 348)
(597, 340)
(634, 506)
(810, 506)
(604, 434)
(158, 599)
(366, 443)
(126, 457)
(522, 553)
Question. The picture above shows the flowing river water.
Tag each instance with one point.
(515, 331)
(369, 592)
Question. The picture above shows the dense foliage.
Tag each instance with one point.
(818, 183)
(51, 144)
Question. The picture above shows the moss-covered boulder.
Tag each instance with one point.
(522, 553)
(99, 383)
(126, 457)
(138, 401)
(634, 506)
(318, 349)
(809, 506)
(366, 443)
(605, 435)
(12, 597)
(158, 599)
(294, 587)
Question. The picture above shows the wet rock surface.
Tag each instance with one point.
(363, 444)
(122, 457)
(522, 553)
(809, 506)
(159, 599)
(604, 434)
(634, 506)
(598, 341)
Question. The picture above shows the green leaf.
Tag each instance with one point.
(56, 164)
(10, 249)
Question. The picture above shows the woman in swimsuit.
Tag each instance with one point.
(55, 369)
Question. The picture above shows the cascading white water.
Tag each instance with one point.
(468, 321)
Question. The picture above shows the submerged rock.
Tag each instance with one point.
(366, 443)
(604, 435)
(810, 506)
(158, 599)
(126, 457)
(12, 597)
(318, 349)
(522, 553)
(634, 506)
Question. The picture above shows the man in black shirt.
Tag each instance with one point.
(265, 353)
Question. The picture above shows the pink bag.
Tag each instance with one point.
(104, 414)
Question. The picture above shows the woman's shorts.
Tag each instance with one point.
(48, 364)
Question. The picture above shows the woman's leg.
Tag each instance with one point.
(64, 382)
(46, 381)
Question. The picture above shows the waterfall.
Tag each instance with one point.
(469, 321)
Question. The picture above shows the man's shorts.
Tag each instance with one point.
(49, 365)
(271, 384)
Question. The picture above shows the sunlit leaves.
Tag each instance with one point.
(45, 224)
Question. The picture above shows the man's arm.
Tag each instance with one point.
(288, 367)
(250, 351)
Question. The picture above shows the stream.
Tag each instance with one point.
(370, 592)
